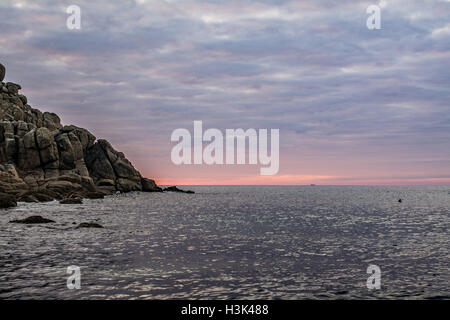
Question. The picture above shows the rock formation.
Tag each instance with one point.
(41, 159)
(33, 220)
(89, 225)
(175, 189)
(7, 200)
(2, 72)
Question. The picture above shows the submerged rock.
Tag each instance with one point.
(33, 220)
(89, 225)
(175, 189)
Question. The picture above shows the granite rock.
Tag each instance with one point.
(40, 159)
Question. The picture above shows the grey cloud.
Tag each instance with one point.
(324, 77)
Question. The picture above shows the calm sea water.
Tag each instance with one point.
(234, 243)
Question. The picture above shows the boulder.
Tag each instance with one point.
(44, 138)
(127, 185)
(51, 121)
(98, 165)
(7, 200)
(13, 88)
(23, 99)
(108, 167)
(10, 181)
(149, 185)
(28, 156)
(2, 72)
(66, 152)
(85, 138)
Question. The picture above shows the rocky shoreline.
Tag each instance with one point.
(42, 160)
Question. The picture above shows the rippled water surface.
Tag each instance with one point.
(234, 243)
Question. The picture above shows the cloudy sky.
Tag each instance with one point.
(353, 105)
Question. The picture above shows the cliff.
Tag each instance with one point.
(40, 159)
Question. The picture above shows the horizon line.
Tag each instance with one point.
(309, 185)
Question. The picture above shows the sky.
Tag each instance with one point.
(353, 106)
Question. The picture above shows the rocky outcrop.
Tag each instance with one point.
(7, 200)
(110, 169)
(175, 189)
(149, 185)
(89, 225)
(39, 156)
(2, 72)
(33, 220)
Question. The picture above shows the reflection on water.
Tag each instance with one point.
(234, 243)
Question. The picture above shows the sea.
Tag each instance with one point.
(234, 242)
